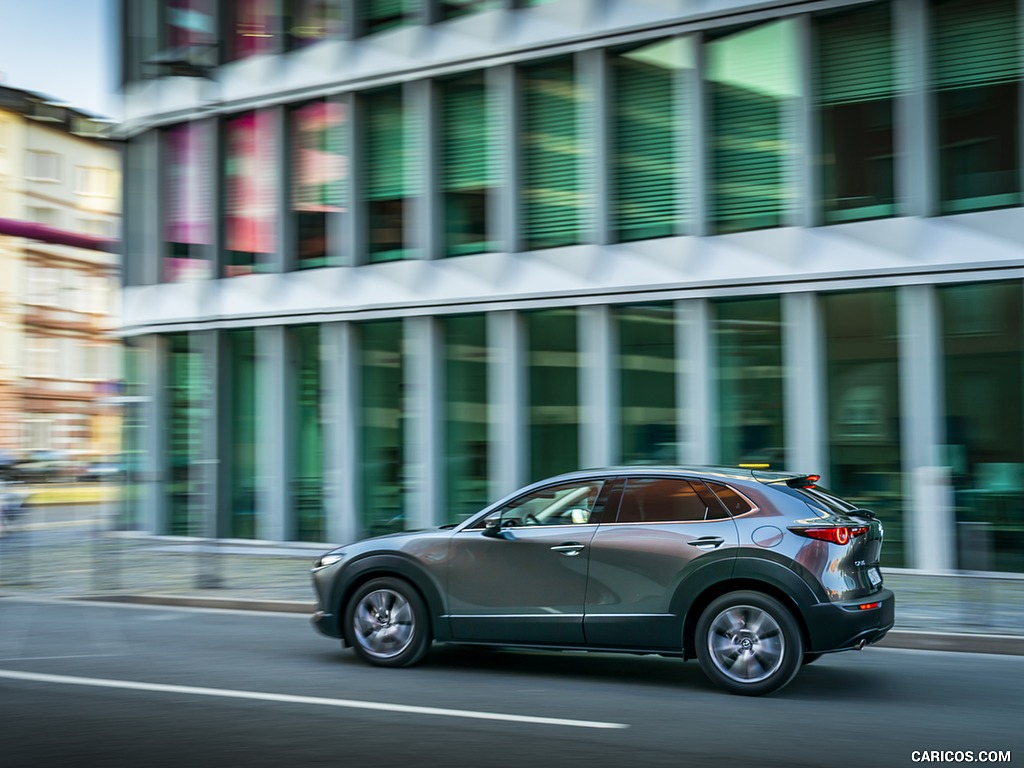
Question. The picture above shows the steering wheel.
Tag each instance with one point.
(532, 519)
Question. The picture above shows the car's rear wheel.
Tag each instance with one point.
(387, 624)
(749, 643)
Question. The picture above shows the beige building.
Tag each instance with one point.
(59, 363)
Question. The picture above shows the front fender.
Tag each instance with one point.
(371, 566)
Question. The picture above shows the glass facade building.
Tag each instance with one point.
(379, 295)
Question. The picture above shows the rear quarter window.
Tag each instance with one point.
(734, 503)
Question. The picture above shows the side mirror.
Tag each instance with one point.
(492, 526)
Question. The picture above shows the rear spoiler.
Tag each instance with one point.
(793, 481)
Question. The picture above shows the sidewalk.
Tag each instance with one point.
(954, 611)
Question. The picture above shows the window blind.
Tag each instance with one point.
(975, 42)
(551, 153)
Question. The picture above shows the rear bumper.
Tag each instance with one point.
(844, 625)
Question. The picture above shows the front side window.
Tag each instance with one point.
(664, 500)
(568, 504)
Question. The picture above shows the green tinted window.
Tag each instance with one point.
(753, 87)
(379, 15)
(983, 343)
(466, 160)
(976, 72)
(748, 340)
(466, 415)
(388, 182)
(647, 383)
(647, 166)
(553, 386)
(553, 149)
(187, 411)
(308, 497)
(862, 364)
(242, 408)
(854, 95)
(451, 9)
(381, 415)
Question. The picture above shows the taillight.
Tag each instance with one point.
(840, 534)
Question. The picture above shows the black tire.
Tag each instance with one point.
(749, 643)
(387, 623)
(810, 658)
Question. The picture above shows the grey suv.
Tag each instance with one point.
(753, 573)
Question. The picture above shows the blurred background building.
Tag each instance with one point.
(387, 260)
(58, 357)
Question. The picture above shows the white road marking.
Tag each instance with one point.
(284, 698)
(71, 656)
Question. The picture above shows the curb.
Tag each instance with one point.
(221, 603)
(1012, 645)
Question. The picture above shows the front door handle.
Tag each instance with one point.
(570, 549)
(707, 542)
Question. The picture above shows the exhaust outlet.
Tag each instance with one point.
(861, 644)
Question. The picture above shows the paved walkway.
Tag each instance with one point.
(72, 560)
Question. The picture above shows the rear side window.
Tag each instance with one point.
(733, 502)
(661, 500)
(823, 498)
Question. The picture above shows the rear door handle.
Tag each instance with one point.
(707, 542)
(569, 550)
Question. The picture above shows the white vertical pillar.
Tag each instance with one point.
(339, 352)
(275, 424)
(341, 243)
(929, 522)
(697, 144)
(598, 412)
(805, 161)
(804, 396)
(503, 207)
(506, 384)
(915, 140)
(424, 456)
(592, 77)
(422, 104)
(696, 392)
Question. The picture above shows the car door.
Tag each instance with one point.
(667, 531)
(526, 581)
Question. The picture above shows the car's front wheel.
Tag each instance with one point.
(749, 643)
(387, 624)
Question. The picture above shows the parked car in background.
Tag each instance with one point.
(101, 471)
(751, 573)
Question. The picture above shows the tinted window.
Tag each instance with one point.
(661, 500)
(733, 502)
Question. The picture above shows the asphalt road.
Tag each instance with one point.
(85, 684)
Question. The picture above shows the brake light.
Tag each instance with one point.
(840, 535)
(868, 606)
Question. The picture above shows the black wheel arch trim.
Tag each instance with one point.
(759, 574)
(373, 565)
